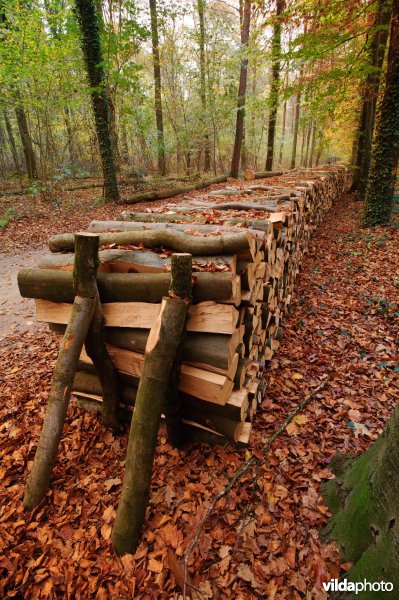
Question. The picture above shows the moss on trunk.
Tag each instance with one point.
(364, 501)
(385, 153)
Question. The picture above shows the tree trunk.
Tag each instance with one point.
(364, 502)
(308, 136)
(157, 87)
(27, 146)
(312, 146)
(207, 151)
(246, 21)
(370, 95)
(385, 152)
(280, 158)
(70, 135)
(274, 92)
(162, 345)
(91, 46)
(11, 140)
(2, 154)
(84, 275)
(296, 127)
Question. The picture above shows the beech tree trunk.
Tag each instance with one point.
(85, 270)
(157, 87)
(274, 92)
(242, 87)
(280, 158)
(207, 150)
(162, 345)
(27, 146)
(296, 127)
(385, 152)
(370, 95)
(364, 502)
(91, 46)
(11, 140)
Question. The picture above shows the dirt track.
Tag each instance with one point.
(16, 313)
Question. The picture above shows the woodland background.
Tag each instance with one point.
(323, 63)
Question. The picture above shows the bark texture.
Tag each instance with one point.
(364, 501)
(162, 345)
(157, 87)
(204, 116)
(385, 152)
(242, 88)
(83, 308)
(161, 194)
(176, 240)
(57, 286)
(91, 46)
(274, 92)
(370, 94)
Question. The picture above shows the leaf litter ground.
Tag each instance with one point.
(264, 540)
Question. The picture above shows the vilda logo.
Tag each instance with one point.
(335, 585)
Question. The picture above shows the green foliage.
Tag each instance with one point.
(6, 218)
(40, 57)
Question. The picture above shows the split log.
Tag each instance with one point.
(188, 228)
(162, 344)
(57, 286)
(211, 352)
(231, 243)
(199, 434)
(161, 194)
(236, 407)
(72, 344)
(211, 387)
(205, 316)
(227, 427)
(202, 350)
(140, 261)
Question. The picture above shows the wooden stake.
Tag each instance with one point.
(96, 349)
(84, 278)
(163, 342)
(181, 286)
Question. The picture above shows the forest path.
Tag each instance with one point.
(16, 313)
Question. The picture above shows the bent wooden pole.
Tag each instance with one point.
(181, 276)
(108, 375)
(84, 275)
(162, 345)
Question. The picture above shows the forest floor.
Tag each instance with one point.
(264, 540)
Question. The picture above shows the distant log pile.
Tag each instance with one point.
(247, 245)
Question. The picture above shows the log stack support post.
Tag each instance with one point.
(163, 344)
(84, 326)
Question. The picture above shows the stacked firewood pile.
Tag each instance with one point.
(247, 244)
